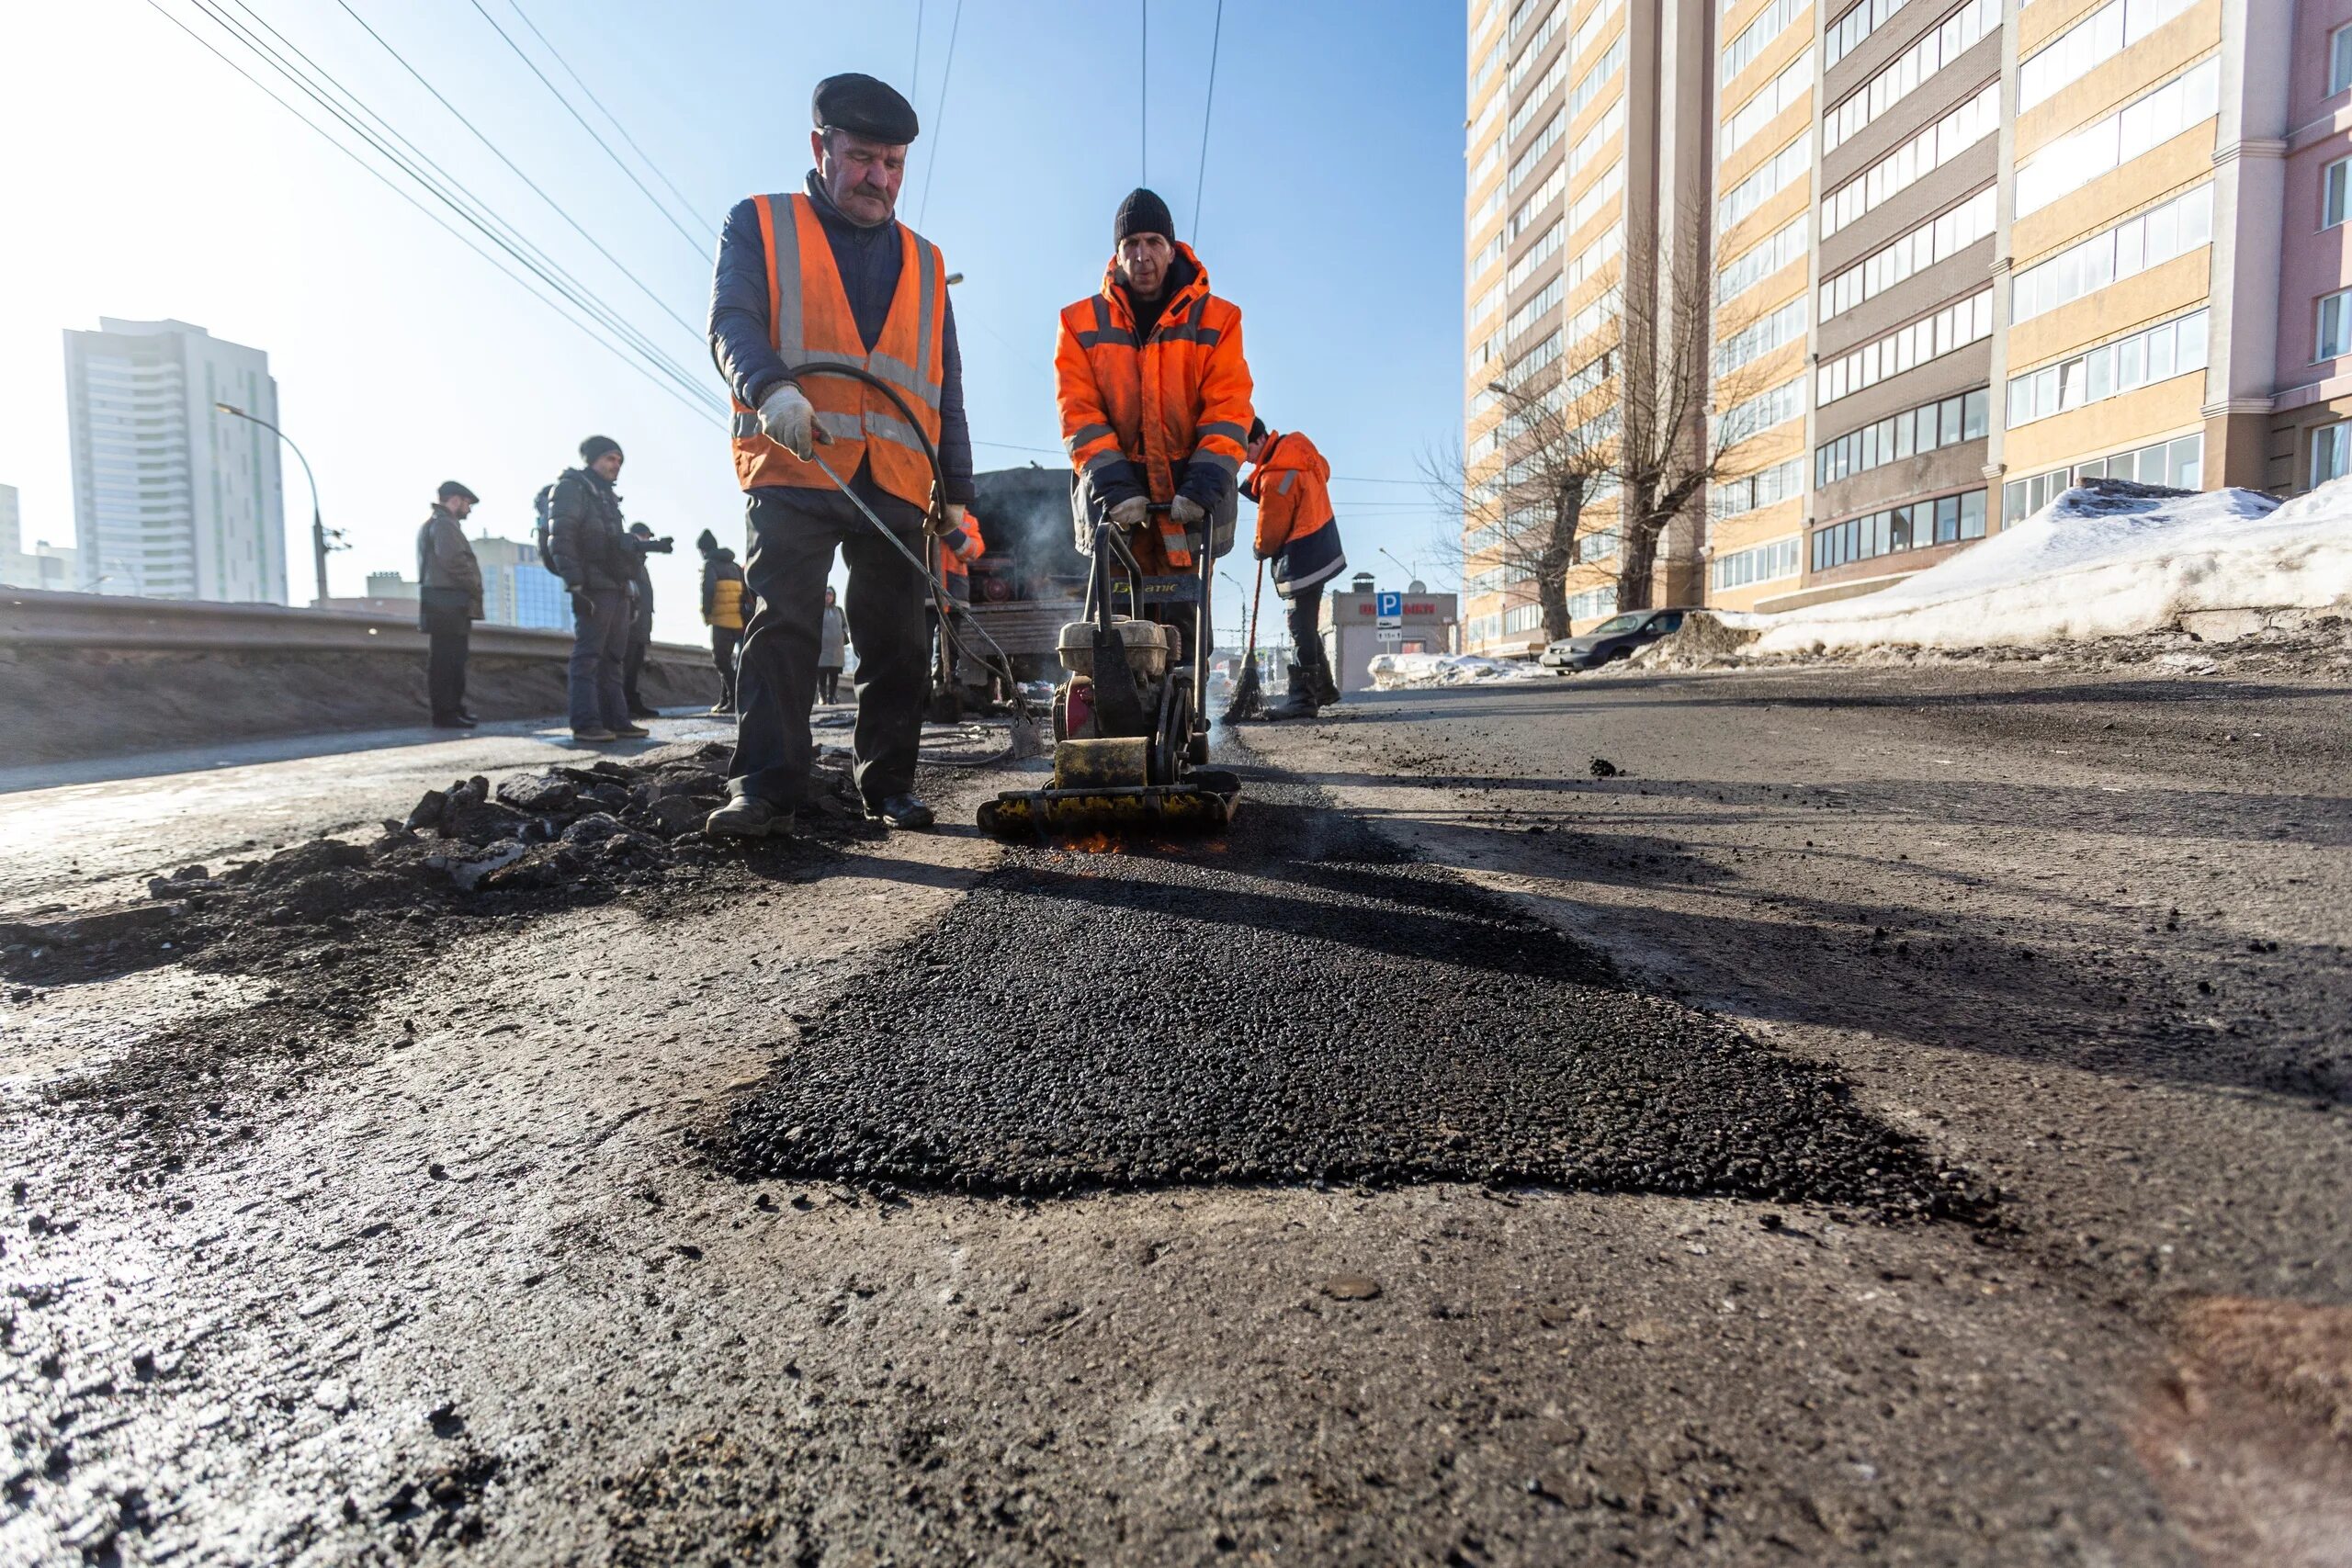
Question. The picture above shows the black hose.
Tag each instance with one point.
(936, 514)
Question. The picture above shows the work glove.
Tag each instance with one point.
(945, 521)
(1187, 512)
(1132, 511)
(788, 420)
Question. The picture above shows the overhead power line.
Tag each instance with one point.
(939, 120)
(553, 205)
(684, 200)
(1201, 179)
(347, 103)
(616, 350)
(569, 108)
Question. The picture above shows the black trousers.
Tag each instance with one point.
(445, 664)
(640, 643)
(724, 640)
(794, 535)
(1306, 643)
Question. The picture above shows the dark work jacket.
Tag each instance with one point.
(586, 540)
(641, 575)
(868, 260)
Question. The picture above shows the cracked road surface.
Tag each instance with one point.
(460, 1267)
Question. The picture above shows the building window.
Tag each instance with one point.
(1946, 422)
(2339, 59)
(1761, 563)
(2331, 450)
(2073, 162)
(2139, 243)
(2174, 348)
(2331, 181)
(1954, 327)
(2178, 463)
(1915, 526)
(2334, 326)
(2090, 43)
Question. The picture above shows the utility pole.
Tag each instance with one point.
(320, 540)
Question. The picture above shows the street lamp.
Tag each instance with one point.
(1410, 575)
(321, 541)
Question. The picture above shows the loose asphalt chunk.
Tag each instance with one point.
(1298, 1003)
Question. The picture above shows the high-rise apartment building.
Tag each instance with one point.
(1580, 196)
(1966, 253)
(171, 498)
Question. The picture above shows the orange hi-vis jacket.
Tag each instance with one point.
(1135, 413)
(809, 323)
(1296, 530)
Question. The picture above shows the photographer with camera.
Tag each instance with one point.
(642, 543)
(590, 550)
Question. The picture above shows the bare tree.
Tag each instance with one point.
(1685, 413)
(1525, 516)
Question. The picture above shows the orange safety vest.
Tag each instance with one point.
(809, 323)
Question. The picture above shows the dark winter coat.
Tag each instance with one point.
(868, 260)
(446, 565)
(587, 542)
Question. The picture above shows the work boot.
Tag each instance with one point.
(631, 731)
(749, 817)
(452, 721)
(1298, 701)
(899, 811)
(640, 711)
(594, 735)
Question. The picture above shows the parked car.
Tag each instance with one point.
(1612, 640)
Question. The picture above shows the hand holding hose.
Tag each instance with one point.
(789, 420)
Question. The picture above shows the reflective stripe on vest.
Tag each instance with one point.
(810, 322)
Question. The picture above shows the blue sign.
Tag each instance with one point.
(1389, 609)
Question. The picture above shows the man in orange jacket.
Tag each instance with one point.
(1155, 396)
(1297, 533)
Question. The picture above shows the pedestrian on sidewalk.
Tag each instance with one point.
(832, 649)
(642, 543)
(588, 548)
(1297, 532)
(827, 274)
(722, 612)
(448, 597)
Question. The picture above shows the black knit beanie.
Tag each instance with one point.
(597, 447)
(706, 541)
(1142, 213)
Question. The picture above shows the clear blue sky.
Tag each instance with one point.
(165, 186)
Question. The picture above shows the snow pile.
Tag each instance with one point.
(1705, 639)
(1398, 671)
(2108, 558)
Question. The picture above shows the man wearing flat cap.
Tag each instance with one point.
(826, 275)
(449, 599)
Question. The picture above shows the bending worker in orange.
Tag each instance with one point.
(1298, 533)
(1155, 395)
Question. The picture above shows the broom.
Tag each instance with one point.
(1247, 701)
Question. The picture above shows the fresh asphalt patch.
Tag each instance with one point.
(1300, 1002)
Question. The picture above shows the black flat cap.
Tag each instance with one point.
(863, 106)
(451, 487)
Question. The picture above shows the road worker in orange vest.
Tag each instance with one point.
(1155, 396)
(827, 274)
(1300, 538)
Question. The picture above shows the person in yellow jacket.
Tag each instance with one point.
(726, 605)
(1300, 538)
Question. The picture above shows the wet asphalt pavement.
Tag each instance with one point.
(1524, 1167)
(1299, 1002)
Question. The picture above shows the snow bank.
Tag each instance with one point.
(1396, 672)
(2108, 558)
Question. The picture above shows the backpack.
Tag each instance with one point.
(540, 504)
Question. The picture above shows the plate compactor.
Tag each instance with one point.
(1130, 717)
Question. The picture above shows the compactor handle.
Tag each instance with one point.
(1108, 541)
